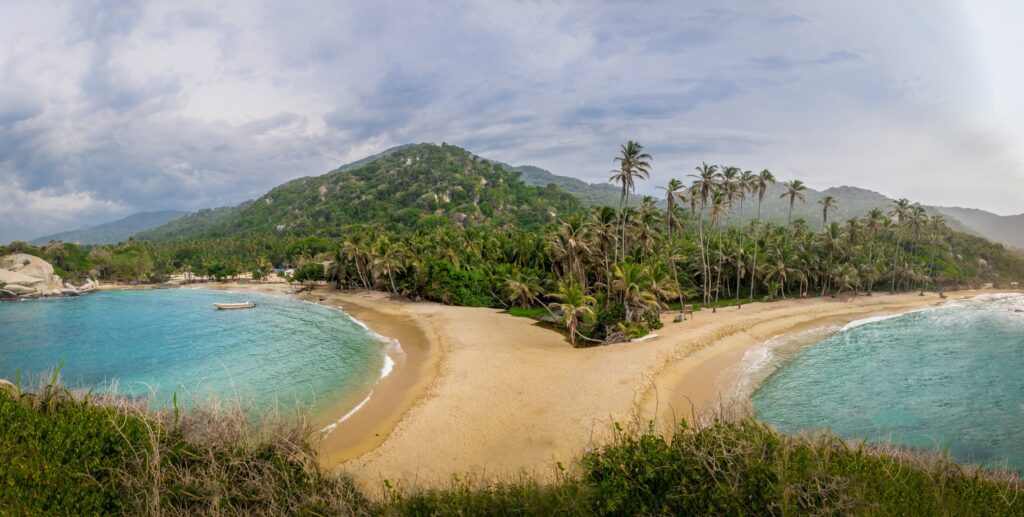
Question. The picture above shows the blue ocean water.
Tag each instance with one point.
(949, 377)
(159, 342)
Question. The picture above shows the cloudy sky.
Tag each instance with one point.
(107, 108)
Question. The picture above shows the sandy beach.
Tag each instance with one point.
(483, 393)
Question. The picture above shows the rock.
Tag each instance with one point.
(7, 295)
(27, 265)
(28, 272)
(15, 277)
(19, 290)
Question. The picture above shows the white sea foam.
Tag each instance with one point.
(327, 429)
(760, 362)
(872, 319)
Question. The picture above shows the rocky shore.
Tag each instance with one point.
(24, 276)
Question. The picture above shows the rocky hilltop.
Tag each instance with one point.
(24, 276)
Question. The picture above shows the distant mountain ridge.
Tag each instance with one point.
(852, 201)
(113, 231)
(590, 194)
(1008, 229)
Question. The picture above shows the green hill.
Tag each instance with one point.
(407, 186)
(113, 231)
(191, 225)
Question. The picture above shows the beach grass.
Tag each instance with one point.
(66, 452)
(530, 312)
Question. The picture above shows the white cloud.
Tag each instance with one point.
(50, 209)
(154, 105)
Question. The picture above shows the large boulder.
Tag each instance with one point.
(20, 271)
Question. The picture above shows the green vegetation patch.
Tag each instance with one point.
(63, 456)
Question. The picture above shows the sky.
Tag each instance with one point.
(113, 107)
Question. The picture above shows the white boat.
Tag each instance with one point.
(243, 305)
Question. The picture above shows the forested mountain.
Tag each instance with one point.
(1007, 229)
(191, 225)
(113, 231)
(410, 186)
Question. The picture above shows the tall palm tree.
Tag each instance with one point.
(900, 212)
(936, 226)
(719, 212)
(795, 189)
(747, 183)
(762, 181)
(672, 191)
(828, 203)
(705, 182)
(634, 164)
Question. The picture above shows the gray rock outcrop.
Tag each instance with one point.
(24, 276)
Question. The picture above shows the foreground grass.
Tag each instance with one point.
(63, 453)
(66, 454)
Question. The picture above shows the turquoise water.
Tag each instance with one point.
(165, 341)
(945, 377)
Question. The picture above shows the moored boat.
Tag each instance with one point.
(243, 305)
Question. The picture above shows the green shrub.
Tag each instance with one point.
(63, 456)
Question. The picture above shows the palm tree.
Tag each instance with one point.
(761, 183)
(263, 267)
(354, 253)
(747, 184)
(522, 289)
(936, 225)
(633, 163)
(794, 190)
(828, 203)
(672, 191)
(575, 306)
(719, 211)
(705, 182)
(389, 260)
(633, 281)
(900, 211)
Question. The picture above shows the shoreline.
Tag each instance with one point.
(486, 394)
(710, 379)
(354, 431)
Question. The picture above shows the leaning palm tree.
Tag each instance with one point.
(575, 306)
(633, 163)
(762, 181)
(794, 190)
(828, 203)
